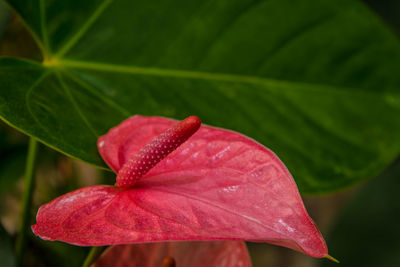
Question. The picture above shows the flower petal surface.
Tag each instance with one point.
(218, 185)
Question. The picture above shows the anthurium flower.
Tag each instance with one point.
(218, 185)
(193, 254)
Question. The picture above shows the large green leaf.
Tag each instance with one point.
(317, 81)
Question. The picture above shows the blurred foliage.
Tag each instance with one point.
(389, 10)
(6, 249)
(13, 147)
(15, 39)
(54, 254)
(56, 175)
(367, 233)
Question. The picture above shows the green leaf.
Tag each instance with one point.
(317, 81)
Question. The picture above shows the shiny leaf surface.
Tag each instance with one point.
(316, 81)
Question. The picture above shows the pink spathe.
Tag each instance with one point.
(218, 185)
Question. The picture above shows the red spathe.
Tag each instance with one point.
(218, 185)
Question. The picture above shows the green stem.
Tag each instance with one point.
(26, 201)
(94, 253)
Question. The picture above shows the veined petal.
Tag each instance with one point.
(219, 185)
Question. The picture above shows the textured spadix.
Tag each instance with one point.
(156, 150)
(217, 185)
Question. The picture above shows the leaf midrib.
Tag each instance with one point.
(60, 64)
(151, 71)
(58, 61)
(201, 75)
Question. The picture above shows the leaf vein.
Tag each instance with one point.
(43, 28)
(90, 88)
(243, 11)
(89, 22)
(28, 98)
(75, 105)
(200, 75)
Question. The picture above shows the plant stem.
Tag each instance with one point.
(94, 253)
(26, 201)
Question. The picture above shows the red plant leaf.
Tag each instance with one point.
(219, 185)
(185, 254)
